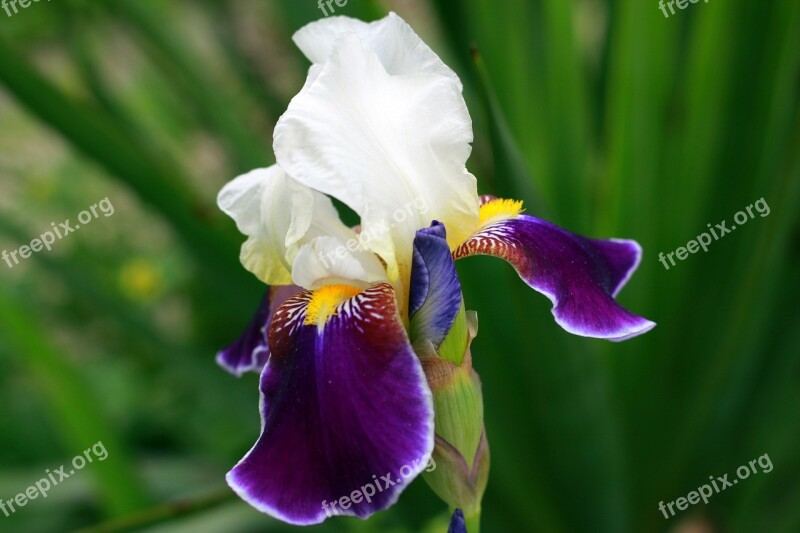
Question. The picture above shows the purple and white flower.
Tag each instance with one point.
(380, 124)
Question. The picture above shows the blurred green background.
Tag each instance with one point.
(604, 116)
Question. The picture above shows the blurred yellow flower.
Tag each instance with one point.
(141, 280)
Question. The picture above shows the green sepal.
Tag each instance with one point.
(461, 450)
(455, 344)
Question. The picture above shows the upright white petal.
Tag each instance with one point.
(391, 147)
(398, 48)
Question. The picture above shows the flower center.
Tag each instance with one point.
(325, 301)
(499, 209)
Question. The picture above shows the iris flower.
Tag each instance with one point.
(347, 336)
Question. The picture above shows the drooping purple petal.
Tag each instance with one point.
(435, 293)
(457, 523)
(621, 256)
(250, 351)
(580, 276)
(347, 416)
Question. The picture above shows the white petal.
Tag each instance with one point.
(393, 148)
(273, 212)
(240, 198)
(330, 259)
(266, 261)
(278, 215)
(313, 72)
(398, 48)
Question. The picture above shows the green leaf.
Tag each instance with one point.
(95, 135)
(75, 412)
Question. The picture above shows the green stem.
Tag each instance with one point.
(473, 522)
(162, 513)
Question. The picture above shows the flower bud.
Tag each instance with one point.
(461, 450)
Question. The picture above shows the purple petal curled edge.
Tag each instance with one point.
(249, 353)
(580, 276)
(346, 413)
(435, 294)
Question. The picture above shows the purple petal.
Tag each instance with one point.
(343, 405)
(622, 258)
(457, 523)
(250, 351)
(435, 294)
(580, 276)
